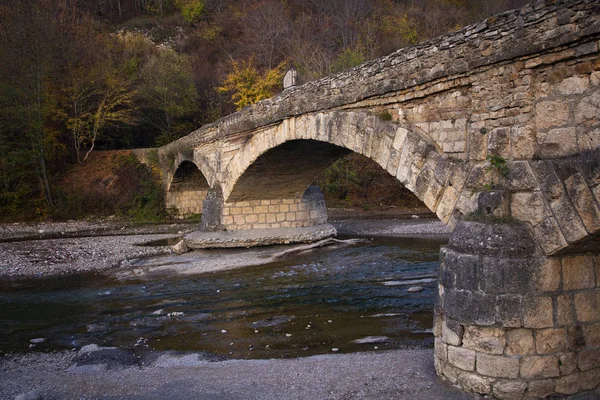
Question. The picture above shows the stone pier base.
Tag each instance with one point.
(511, 322)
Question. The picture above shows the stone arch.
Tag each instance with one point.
(402, 150)
(187, 189)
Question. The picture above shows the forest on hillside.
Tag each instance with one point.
(82, 75)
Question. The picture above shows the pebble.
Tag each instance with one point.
(37, 340)
(33, 395)
(415, 289)
(335, 349)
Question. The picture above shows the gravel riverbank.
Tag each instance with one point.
(51, 249)
(399, 374)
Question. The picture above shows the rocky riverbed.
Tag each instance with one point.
(91, 373)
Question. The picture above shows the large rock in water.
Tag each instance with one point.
(258, 237)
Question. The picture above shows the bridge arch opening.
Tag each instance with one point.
(279, 189)
(187, 190)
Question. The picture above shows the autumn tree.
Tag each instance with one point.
(247, 85)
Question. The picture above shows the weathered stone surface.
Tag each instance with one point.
(537, 367)
(547, 277)
(550, 114)
(529, 207)
(258, 237)
(574, 85)
(484, 339)
(588, 359)
(549, 341)
(564, 310)
(441, 349)
(474, 383)
(592, 335)
(520, 342)
(509, 390)
(589, 379)
(509, 310)
(569, 384)
(461, 358)
(537, 312)
(578, 272)
(568, 363)
(587, 306)
(498, 366)
(541, 388)
(452, 332)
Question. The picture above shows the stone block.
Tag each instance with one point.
(441, 349)
(523, 142)
(547, 276)
(273, 208)
(537, 312)
(568, 384)
(520, 342)
(472, 382)
(290, 216)
(588, 359)
(550, 237)
(461, 358)
(248, 210)
(549, 341)
(583, 200)
(448, 371)
(541, 388)
(251, 219)
(550, 113)
(284, 208)
(452, 332)
(505, 275)
(239, 219)
(564, 310)
(261, 209)
(529, 207)
(271, 218)
(589, 379)
(578, 272)
(592, 335)
(538, 367)
(498, 366)
(465, 267)
(509, 311)
(588, 109)
(568, 363)
(280, 217)
(484, 339)
(574, 85)
(587, 306)
(509, 390)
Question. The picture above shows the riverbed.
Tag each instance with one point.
(353, 300)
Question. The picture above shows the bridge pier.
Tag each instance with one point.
(512, 322)
(308, 210)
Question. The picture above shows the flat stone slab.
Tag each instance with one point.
(258, 237)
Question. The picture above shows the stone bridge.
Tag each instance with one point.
(496, 129)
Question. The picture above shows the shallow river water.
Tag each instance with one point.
(343, 299)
